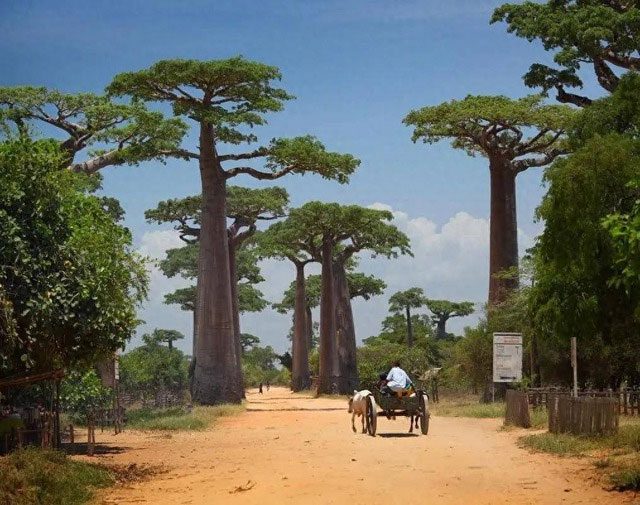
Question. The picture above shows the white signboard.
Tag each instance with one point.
(507, 357)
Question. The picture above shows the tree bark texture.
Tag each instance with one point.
(328, 372)
(235, 305)
(503, 234)
(215, 375)
(347, 380)
(441, 328)
(309, 324)
(299, 348)
(409, 328)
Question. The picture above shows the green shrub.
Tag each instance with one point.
(44, 477)
(178, 418)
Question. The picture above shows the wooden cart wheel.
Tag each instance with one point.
(372, 416)
(423, 403)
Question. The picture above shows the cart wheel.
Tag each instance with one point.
(372, 416)
(423, 402)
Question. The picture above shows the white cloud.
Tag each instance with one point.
(450, 261)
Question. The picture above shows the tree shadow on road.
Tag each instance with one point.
(397, 435)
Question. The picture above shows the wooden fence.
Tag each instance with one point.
(583, 415)
(627, 401)
(517, 409)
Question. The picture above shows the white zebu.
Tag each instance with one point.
(358, 407)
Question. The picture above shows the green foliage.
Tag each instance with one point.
(160, 336)
(472, 358)
(233, 96)
(445, 309)
(496, 125)
(376, 359)
(82, 395)
(259, 365)
(247, 341)
(603, 34)
(413, 298)
(360, 285)
(42, 477)
(153, 367)
(111, 133)
(70, 281)
(394, 330)
(179, 419)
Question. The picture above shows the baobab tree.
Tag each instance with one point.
(245, 207)
(226, 98)
(404, 301)
(337, 233)
(125, 134)
(360, 286)
(604, 35)
(443, 310)
(514, 135)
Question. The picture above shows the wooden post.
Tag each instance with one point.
(574, 365)
(56, 420)
(71, 434)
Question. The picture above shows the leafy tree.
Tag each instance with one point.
(404, 301)
(443, 310)
(245, 207)
(603, 34)
(248, 341)
(153, 368)
(360, 286)
(333, 234)
(106, 132)
(82, 395)
(160, 336)
(224, 97)
(473, 357)
(514, 135)
(394, 330)
(69, 279)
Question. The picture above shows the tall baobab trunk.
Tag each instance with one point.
(327, 321)
(309, 323)
(192, 365)
(347, 379)
(215, 375)
(235, 306)
(503, 241)
(409, 328)
(299, 349)
(441, 328)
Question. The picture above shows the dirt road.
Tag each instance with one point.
(289, 450)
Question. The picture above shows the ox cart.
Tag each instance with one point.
(415, 407)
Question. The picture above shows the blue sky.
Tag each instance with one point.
(357, 67)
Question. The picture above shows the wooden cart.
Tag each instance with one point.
(393, 406)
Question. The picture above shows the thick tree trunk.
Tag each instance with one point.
(347, 380)
(409, 328)
(299, 348)
(327, 373)
(192, 365)
(503, 242)
(235, 305)
(215, 375)
(309, 323)
(441, 328)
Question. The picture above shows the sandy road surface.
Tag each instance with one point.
(300, 450)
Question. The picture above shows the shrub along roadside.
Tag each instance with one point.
(179, 418)
(617, 457)
(44, 477)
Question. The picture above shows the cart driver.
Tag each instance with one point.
(397, 380)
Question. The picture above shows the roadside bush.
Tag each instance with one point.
(42, 477)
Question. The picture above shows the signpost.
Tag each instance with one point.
(507, 357)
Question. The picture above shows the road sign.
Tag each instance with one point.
(507, 357)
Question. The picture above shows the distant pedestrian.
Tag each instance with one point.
(268, 386)
(260, 388)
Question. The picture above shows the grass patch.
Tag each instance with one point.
(45, 477)
(178, 418)
(466, 407)
(539, 418)
(618, 456)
